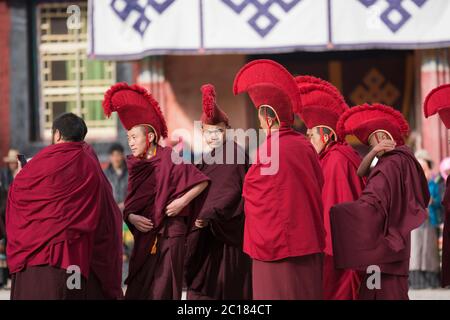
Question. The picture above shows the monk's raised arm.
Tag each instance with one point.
(364, 167)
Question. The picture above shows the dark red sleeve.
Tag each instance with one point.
(362, 231)
(184, 177)
(446, 238)
(107, 256)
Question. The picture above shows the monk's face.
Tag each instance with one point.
(137, 141)
(316, 140)
(214, 135)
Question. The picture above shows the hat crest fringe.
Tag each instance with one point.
(395, 114)
(107, 105)
(339, 108)
(208, 99)
(155, 106)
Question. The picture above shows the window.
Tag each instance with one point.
(68, 80)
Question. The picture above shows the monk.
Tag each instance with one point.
(438, 101)
(284, 233)
(64, 228)
(159, 193)
(321, 107)
(216, 266)
(373, 233)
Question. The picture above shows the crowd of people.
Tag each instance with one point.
(314, 228)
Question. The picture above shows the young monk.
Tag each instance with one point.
(159, 192)
(216, 266)
(373, 233)
(284, 232)
(438, 101)
(321, 107)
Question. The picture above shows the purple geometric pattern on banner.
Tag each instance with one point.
(368, 3)
(395, 6)
(123, 9)
(263, 21)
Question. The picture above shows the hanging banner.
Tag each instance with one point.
(267, 26)
(131, 29)
(390, 24)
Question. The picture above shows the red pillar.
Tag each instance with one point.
(4, 79)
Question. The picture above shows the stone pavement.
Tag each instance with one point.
(436, 294)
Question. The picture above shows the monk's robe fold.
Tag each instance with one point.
(339, 164)
(341, 182)
(446, 238)
(375, 229)
(284, 229)
(153, 183)
(56, 205)
(216, 267)
(286, 220)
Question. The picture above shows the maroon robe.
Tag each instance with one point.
(216, 266)
(294, 278)
(340, 164)
(284, 216)
(3, 198)
(446, 238)
(61, 212)
(156, 263)
(376, 229)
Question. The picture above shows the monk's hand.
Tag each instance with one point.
(384, 146)
(199, 223)
(175, 207)
(141, 223)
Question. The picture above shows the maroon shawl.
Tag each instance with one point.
(152, 185)
(54, 208)
(284, 211)
(375, 229)
(223, 206)
(341, 182)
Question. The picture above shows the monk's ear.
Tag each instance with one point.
(151, 137)
(56, 136)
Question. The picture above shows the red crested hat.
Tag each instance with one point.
(269, 83)
(364, 120)
(307, 80)
(135, 106)
(438, 101)
(321, 106)
(211, 114)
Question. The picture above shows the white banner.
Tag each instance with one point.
(130, 29)
(257, 25)
(390, 23)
